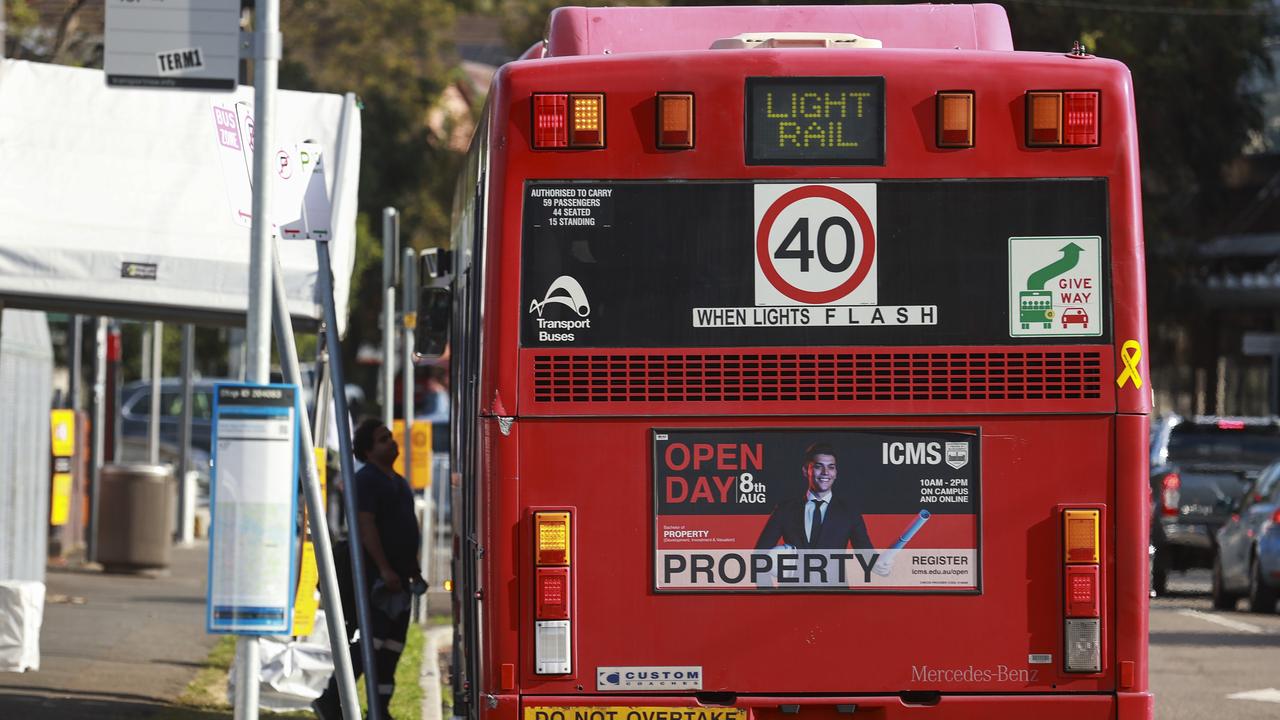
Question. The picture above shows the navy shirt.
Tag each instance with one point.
(390, 499)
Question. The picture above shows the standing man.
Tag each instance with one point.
(820, 519)
(388, 530)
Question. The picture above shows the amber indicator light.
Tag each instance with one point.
(955, 119)
(586, 121)
(551, 538)
(1081, 536)
(675, 121)
(1044, 119)
(1068, 118)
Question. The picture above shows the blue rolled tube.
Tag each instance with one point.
(912, 529)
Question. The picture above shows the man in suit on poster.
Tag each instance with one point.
(820, 519)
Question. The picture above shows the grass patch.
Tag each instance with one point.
(205, 697)
(209, 688)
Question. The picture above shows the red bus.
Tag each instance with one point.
(797, 359)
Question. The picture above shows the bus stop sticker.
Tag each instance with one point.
(1055, 285)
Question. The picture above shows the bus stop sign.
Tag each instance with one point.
(175, 44)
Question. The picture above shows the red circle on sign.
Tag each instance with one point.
(815, 297)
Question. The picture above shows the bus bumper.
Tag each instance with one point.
(1119, 706)
(1135, 706)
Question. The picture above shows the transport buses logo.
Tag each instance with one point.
(567, 291)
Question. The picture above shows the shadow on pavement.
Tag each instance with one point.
(1215, 639)
(94, 706)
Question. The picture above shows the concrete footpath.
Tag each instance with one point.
(115, 646)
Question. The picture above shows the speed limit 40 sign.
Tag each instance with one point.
(815, 244)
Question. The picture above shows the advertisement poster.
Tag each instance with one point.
(817, 510)
(254, 509)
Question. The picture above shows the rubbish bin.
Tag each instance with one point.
(135, 517)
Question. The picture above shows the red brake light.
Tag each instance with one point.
(1082, 592)
(552, 600)
(1230, 424)
(1170, 494)
(1275, 517)
(568, 120)
(1069, 118)
(551, 121)
(1080, 118)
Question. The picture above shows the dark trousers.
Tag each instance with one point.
(388, 643)
(388, 635)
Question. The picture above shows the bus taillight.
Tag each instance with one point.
(955, 119)
(553, 590)
(675, 121)
(568, 120)
(1063, 118)
(1170, 494)
(1082, 583)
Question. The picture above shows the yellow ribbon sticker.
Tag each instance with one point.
(1130, 354)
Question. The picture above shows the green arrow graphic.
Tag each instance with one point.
(1070, 258)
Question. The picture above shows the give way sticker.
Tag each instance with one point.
(815, 244)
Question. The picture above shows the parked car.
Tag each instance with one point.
(1248, 557)
(135, 407)
(135, 410)
(1200, 469)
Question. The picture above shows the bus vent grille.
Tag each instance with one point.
(817, 376)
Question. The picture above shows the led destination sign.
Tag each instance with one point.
(815, 121)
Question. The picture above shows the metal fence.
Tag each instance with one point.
(26, 392)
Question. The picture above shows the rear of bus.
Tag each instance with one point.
(905, 270)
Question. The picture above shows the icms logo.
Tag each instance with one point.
(566, 291)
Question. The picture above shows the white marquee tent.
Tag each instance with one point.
(123, 202)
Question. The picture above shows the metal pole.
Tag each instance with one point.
(145, 354)
(99, 431)
(77, 349)
(153, 426)
(288, 352)
(348, 482)
(407, 306)
(325, 419)
(258, 323)
(185, 532)
(115, 384)
(324, 399)
(390, 245)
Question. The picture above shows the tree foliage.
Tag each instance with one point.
(1189, 61)
(397, 56)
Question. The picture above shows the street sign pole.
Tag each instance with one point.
(390, 241)
(288, 350)
(266, 56)
(408, 303)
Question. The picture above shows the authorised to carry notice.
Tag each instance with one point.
(573, 206)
